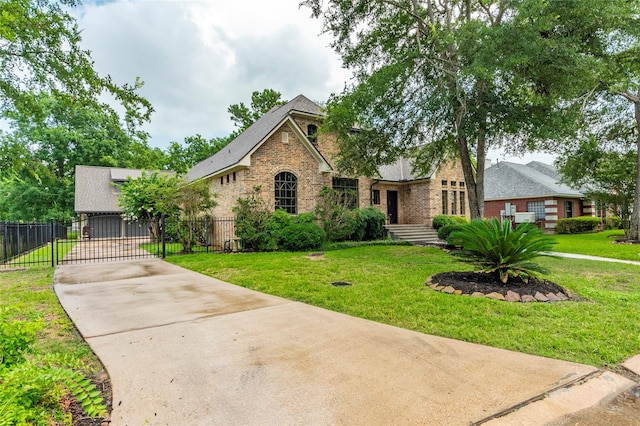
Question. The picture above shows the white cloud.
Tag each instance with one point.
(197, 58)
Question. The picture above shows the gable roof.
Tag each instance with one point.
(94, 190)
(506, 180)
(237, 152)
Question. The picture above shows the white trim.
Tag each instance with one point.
(551, 217)
(551, 210)
(550, 202)
(550, 225)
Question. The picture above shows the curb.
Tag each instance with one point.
(595, 390)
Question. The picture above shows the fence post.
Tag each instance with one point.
(53, 243)
(163, 237)
(4, 241)
(206, 233)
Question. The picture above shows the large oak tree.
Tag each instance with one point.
(436, 78)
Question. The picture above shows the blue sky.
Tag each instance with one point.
(198, 57)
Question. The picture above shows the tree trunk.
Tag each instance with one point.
(634, 225)
(470, 178)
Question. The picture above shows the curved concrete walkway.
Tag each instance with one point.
(185, 349)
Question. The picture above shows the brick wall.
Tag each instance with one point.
(555, 208)
(418, 201)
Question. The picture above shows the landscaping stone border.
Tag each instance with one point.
(511, 296)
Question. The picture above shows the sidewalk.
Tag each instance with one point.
(182, 348)
(595, 258)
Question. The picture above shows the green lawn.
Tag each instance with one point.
(388, 287)
(31, 291)
(42, 255)
(29, 294)
(598, 244)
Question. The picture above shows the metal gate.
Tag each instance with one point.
(99, 238)
(109, 237)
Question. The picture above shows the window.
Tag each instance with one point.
(227, 178)
(234, 176)
(461, 184)
(444, 183)
(462, 202)
(348, 189)
(312, 133)
(221, 180)
(375, 196)
(453, 183)
(568, 209)
(536, 207)
(445, 202)
(454, 202)
(286, 189)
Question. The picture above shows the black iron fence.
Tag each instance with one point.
(97, 238)
(208, 234)
(29, 243)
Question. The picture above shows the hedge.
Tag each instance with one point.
(444, 220)
(578, 225)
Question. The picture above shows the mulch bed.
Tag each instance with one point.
(478, 282)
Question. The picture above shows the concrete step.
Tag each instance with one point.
(413, 233)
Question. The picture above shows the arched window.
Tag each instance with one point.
(286, 193)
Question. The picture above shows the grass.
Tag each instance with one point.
(597, 244)
(388, 287)
(31, 291)
(42, 255)
(29, 294)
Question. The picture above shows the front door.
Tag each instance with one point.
(392, 207)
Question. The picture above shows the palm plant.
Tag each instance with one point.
(498, 249)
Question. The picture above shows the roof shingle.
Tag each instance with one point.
(506, 180)
(252, 136)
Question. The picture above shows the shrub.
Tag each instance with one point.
(613, 222)
(444, 220)
(31, 388)
(498, 249)
(445, 231)
(304, 218)
(372, 222)
(301, 236)
(252, 218)
(338, 220)
(577, 225)
(16, 336)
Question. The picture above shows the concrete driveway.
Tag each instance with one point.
(185, 349)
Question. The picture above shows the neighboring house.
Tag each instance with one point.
(282, 153)
(511, 189)
(96, 202)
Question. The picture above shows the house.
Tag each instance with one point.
(282, 153)
(511, 190)
(96, 202)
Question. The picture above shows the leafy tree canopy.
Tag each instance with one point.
(39, 155)
(40, 52)
(452, 77)
(261, 102)
(603, 160)
(181, 157)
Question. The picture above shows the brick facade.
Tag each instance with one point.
(555, 208)
(417, 201)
